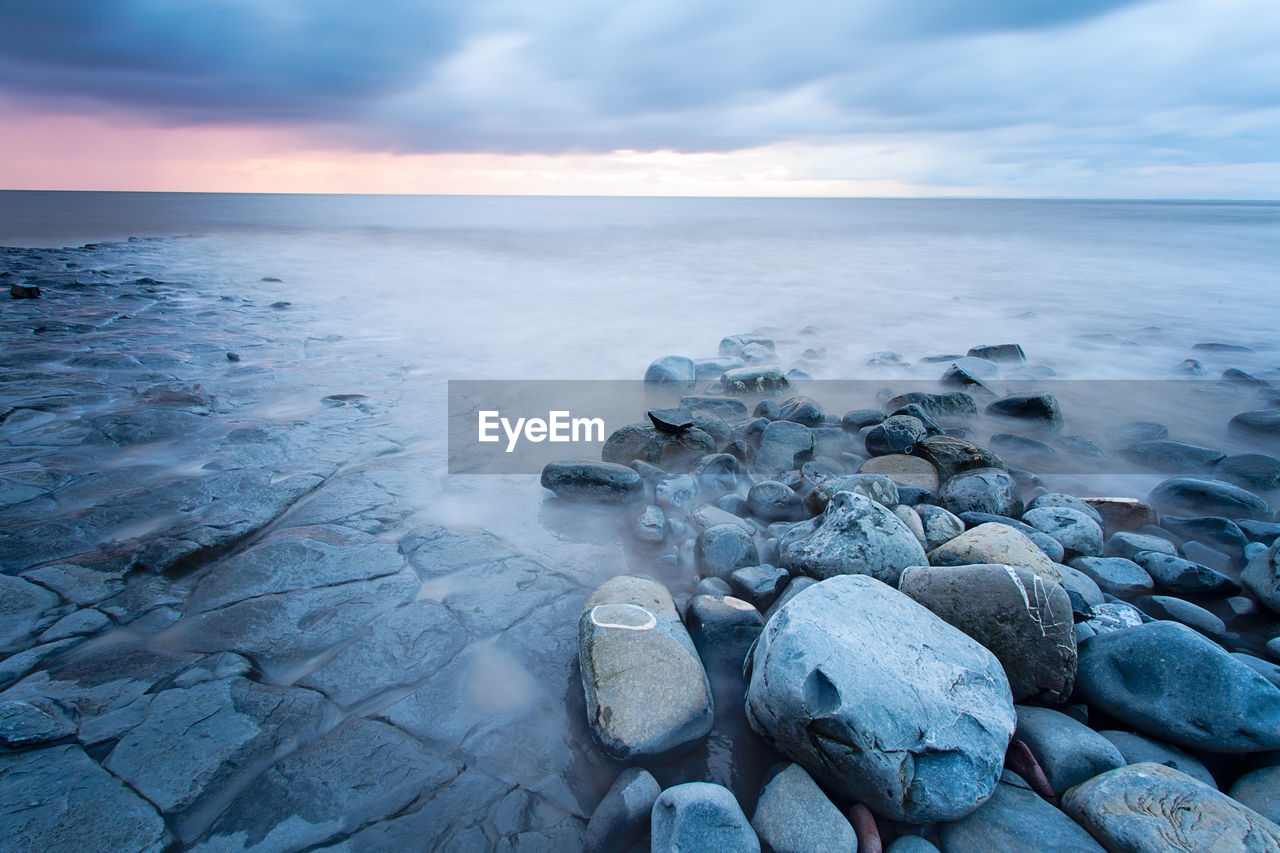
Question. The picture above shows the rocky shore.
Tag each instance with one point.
(945, 654)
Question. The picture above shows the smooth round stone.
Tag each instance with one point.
(1084, 593)
(1113, 616)
(1136, 749)
(1136, 431)
(784, 446)
(1126, 544)
(713, 586)
(1262, 577)
(794, 816)
(675, 493)
(1194, 496)
(722, 548)
(1184, 577)
(722, 629)
(772, 501)
(950, 404)
(982, 490)
(1167, 681)
(1009, 353)
(1221, 533)
(1140, 807)
(1191, 615)
(1265, 668)
(759, 584)
(801, 410)
(755, 379)
(1040, 409)
(1263, 423)
(1115, 575)
(700, 816)
(714, 368)
(649, 525)
(1051, 547)
(877, 487)
(623, 815)
(602, 482)
(673, 370)
(1077, 532)
(951, 455)
(995, 543)
(671, 451)
(1069, 751)
(854, 535)
(857, 419)
(912, 520)
(1260, 791)
(904, 471)
(1016, 820)
(1251, 470)
(896, 434)
(1020, 450)
(940, 526)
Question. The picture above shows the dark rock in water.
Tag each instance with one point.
(860, 685)
(1184, 577)
(954, 455)
(1051, 547)
(1017, 820)
(915, 410)
(1024, 621)
(784, 446)
(797, 375)
(1265, 532)
(670, 450)
(1262, 577)
(760, 585)
(914, 496)
(727, 409)
(1220, 532)
(605, 482)
(1011, 353)
(1126, 544)
(1260, 791)
(957, 376)
(982, 490)
(623, 816)
(995, 543)
(1115, 575)
(714, 368)
(1150, 808)
(938, 359)
(723, 630)
(858, 418)
(1193, 496)
(700, 816)
(1022, 450)
(1039, 409)
(1251, 470)
(1188, 367)
(1169, 682)
(754, 380)
(232, 356)
(1236, 376)
(801, 410)
(722, 548)
(793, 814)
(1220, 348)
(21, 291)
(1069, 751)
(854, 535)
(897, 434)
(1177, 610)
(1264, 423)
(673, 370)
(1082, 448)
(1136, 749)
(281, 305)
(670, 420)
(1173, 457)
(1074, 529)
(948, 405)
(647, 693)
(733, 345)
(772, 501)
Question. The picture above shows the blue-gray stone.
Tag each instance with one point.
(722, 548)
(1010, 353)
(770, 501)
(673, 370)
(854, 535)
(759, 585)
(882, 701)
(940, 525)
(1195, 496)
(1069, 751)
(896, 434)
(1052, 499)
(1222, 533)
(700, 816)
(1262, 577)
(755, 379)
(723, 629)
(784, 446)
(1016, 820)
(1191, 615)
(1078, 533)
(1262, 423)
(1115, 575)
(605, 482)
(623, 815)
(793, 815)
(1040, 409)
(1184, 577)
(989, 490)
(1173, 457)
(1260, 791)
(1137, 748)
(1051, 547)
(1126, 543)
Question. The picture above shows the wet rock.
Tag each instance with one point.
(915, 410)
(1078, 533)
(1260, 791)
(969, 373)
(882, 701)
(718, 474)
(1221, 533)
(717, 587)
(59, 799)
(647, 693)
(759, 585)
(1211, 557)
(1165, 680)
(1005, 353)
(728, 409)
(1150, 808)
(1263, 423)
(87, 621)
(623, 816)
(1122, 513)
(877, 487)
(672, 370)
(910, 844)
(772, 501)
(1126, 544)
(1115, 575)
(22, 291)
(1111, 616)
(855, 420)
(722, 548)
(1264, 532)
(672, 451)
(1250, 470)
(801, 410)
(1192, 496)
(1069, 751)
(793, 815)
(1184, 577)
(40, 721)
(1016, 820)
(940, 526)
(605, 482)
(854, 535)
(755, 380)
(897, 434)
(1024, 621)
(953, 455)
(1136, 431)
(982, 490)
(1189, 367)
(22, 608)
(1219, 347)
(1039, 409)
(948, 405)
(700, 816)
(998, 544)
(1262, 577)
(1173, 457)
(784, 446)
(1136, 749)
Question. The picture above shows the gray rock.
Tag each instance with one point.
(673, 370)
(1150, 808)
(1024, 621)
(896, 434)
(1079, 534)
(1136, 749)
(1056, 499)
(1113, 616)
(1126, 544)
(904, 471)
(912, 520)
(1263, 423)
(706, 516)
(855, 535)
(1265, 668)
(22, 607)
(982, 490)
(605, 482)
(802, 410)
(794, 816)
(792, 589)
(1069, 751)
(881, 700)
(1010, 353)
(649, 525)
(1251, 470)
(772, 501)
(723, 630)
(757, 379)
(998, 544)
(910, 844)
(1115, 575)
(1191, 615)
(1016, 820)
(700, 816)
(80, 584)
(1039, 409)
(24, 723)
(1077, 583)
(59, 799)
(1222, 533)
(952, 455)
(723, 548)
(675, 493)
(623, 815)
(713, 586)
(1194, 496)
(647, 693)
(733, 345)
(1173, 457)
(759, 585)
(1184, 577)
(1169, 682)
(1262, 577)
(950, 404)
(940, 525)
(714, 368)
(1260, 791)
(784, 446)
(877, 487)
(671, 451)
(1051, 547)
(1122, 513)
(80, 622)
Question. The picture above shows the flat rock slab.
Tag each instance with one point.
(1150, 808)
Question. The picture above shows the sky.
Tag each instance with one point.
(1018, 98)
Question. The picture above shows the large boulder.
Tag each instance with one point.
(604, 482)
(995, 543)
(1150, 808)
(1167, 681)
(647, 693)
(700, 816)
(1195, 496)
(881, 700)
(1024, 620)
(854, 535)
(990, 490)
